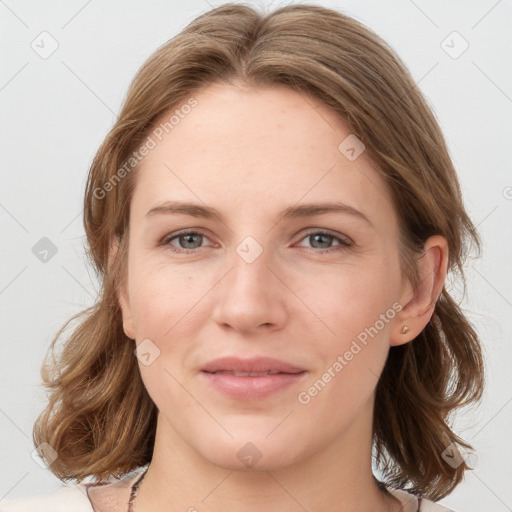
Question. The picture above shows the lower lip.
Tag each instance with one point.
(251, 388)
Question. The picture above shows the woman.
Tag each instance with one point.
(273, 217)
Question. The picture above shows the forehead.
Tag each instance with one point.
(239, 145)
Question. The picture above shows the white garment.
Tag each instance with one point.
(74, 498)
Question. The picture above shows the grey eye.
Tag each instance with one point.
(190, 240)
(324, 240)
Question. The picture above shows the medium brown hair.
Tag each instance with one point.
(100, 418)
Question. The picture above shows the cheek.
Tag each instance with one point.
(162, 298)
(347, 300)
(357, 309)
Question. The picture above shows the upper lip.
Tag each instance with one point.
(252, 365)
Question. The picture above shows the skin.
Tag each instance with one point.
(250, 153)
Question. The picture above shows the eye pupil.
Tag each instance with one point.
(189, 238)
(321, 235)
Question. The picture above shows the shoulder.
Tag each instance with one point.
(67, 499)
(430, 506)
(413, 503)
(77, 497)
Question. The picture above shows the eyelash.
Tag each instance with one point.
(343, 244)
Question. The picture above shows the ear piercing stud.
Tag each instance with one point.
(405, 329)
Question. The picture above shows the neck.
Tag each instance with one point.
(339, 477)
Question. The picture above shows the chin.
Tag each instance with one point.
(250, 450)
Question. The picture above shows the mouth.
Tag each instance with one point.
(253, 365)
(251, 379)
(246, 374)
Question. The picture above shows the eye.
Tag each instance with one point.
(186, 241)
(322, 240)
(191, 241)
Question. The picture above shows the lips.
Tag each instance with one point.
(256, 365)
(250, 379)
(246, 374)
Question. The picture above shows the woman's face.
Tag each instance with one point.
(229, 259)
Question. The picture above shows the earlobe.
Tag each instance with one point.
(420, 302)
(122, 295)
(126, 314)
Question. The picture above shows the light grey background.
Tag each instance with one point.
(56, 111)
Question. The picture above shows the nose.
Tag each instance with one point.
(251, 297)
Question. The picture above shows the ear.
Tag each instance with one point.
(122, 294)
(419, 303)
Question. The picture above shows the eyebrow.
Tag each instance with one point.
(292, 212)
